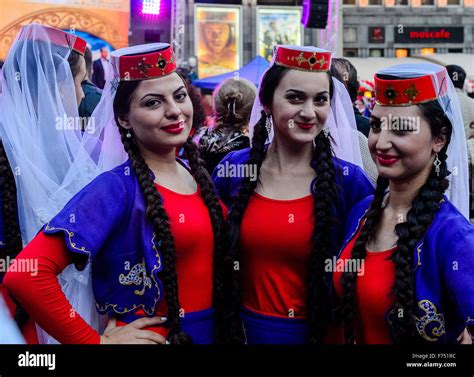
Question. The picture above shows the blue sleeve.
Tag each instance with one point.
(91, 216)
(223, 183)
(458, 270)
(359, 188)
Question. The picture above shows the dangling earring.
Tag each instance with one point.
(128, 135)
(268, 123)
(437, 164)
(326, 132)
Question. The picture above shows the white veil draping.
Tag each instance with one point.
(41, 133)
(457, 161)
(340, 123)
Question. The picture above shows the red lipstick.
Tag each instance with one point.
(387, 159)
(305, 126)
(174, 128)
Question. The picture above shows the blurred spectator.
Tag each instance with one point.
(78, 68)
(458, 76)
(92, 93)
(232, 105)
(345, 72)
(101, 68)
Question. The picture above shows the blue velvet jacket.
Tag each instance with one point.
(106, 222)
(352, 182)
(443, 262)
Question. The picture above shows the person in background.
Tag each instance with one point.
(411, 238)
(345, 72)
(232, 105)
(101, 68)
(458, 77)
(78, 68)
(92, 93)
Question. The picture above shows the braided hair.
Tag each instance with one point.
(13, 242)
(11, 227)
(421, 214)
(157, 215)
(324, 194)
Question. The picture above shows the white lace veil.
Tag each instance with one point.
(41, 132)
(457, 161)
(340, 123)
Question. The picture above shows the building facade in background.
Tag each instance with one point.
(401, 28)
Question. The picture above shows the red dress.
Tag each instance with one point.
(373, 294)
(194, 244)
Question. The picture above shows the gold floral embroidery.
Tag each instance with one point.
(136, 276)
(431, 317)
(70, 240)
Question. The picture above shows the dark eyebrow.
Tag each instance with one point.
(161, 95)
(301, 92)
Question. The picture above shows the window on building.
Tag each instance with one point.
(401, 2)
(376, 53)
(349, 2)
(350, 34)
(350, 52)
(454, 2)
(401, 52)
(375, 2)
(427, 2)
(427, 51)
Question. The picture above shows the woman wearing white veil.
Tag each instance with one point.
(135, 225)
(290, 199)
(412, 236)
(41, 135)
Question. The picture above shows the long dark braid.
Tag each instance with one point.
(11, 227)
(13, 241)
(232, 265)
(324, 193)
(421, 214)
(219, 228)
(157, 215)
(348, 279)
(419, 217)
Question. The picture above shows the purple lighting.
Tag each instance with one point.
(151, 6)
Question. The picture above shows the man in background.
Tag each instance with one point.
(101, 68)
(92, 93)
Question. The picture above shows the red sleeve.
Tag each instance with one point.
(41, 295)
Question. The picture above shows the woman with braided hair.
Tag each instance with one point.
(152, 227)
(411, 239)
(232, 104)
(289, 200)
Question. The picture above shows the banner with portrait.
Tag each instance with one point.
(277, 25)
(218, 46)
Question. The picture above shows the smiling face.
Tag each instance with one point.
(301, 105)
(160, 113)
(401, 143)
